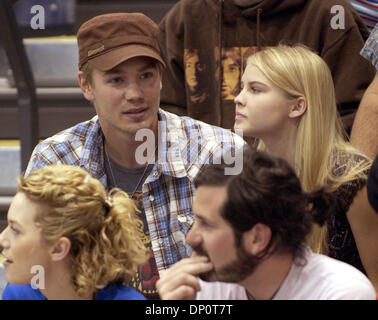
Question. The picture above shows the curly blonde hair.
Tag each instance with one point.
(106, 244)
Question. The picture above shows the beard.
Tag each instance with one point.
(233, 272)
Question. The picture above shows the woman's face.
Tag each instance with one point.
(262, 108)
(23, 246)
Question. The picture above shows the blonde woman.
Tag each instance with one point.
(67, 239)
(288, 103)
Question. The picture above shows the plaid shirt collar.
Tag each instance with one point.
(172, 164)
(92, 158)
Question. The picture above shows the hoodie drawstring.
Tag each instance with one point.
(259, 11)
(220, 59)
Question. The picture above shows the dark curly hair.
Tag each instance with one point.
(268, 191)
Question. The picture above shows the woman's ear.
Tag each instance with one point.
(60, 249)
(298, 108)
(257, 238)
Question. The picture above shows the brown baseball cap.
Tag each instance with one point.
(110, 39)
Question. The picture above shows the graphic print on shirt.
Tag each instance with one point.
(233, 61)
(147, 274)
(194, 73)
(231, 72)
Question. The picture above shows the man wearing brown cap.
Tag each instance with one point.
(131, 143)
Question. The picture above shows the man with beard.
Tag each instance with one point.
(250, 231)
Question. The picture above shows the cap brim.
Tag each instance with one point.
(110, 59)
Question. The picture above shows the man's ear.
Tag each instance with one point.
(60, 249)
(85, 86)
(298, 108)
(257, 238)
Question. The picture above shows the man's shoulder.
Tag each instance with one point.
(199, 144)
(77, 133)
(333, 9)
(192, 129)
(334, 279)
(185, 12)
(194, 5)
(321, 4)
(65, 147)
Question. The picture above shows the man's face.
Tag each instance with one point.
(127, 97)
(231, 73)
(213, 237)
(191, 65)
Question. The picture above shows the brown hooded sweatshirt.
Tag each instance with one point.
(205, 44)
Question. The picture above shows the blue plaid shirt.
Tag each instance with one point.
(185, 146)
(370, 49)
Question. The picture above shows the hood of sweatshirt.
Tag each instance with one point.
(218, 36)
(230, 11)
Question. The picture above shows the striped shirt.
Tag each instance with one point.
(368, 11)
(185, 146)
(370, 49)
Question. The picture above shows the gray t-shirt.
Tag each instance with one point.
(125, 178)
(131, 181)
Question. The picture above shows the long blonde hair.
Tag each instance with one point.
(321, 144)
(106, 244)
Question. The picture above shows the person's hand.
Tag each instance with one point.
(180, 281)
